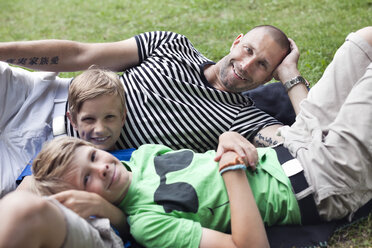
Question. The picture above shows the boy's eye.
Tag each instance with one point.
(85, 180)
(93, 156)
(110, 116)
(88, 119)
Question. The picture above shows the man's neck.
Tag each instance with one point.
(211, 75)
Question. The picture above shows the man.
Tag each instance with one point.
(176, 96)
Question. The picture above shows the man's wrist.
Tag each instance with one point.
(294, 81)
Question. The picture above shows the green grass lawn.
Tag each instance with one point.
(318, 27)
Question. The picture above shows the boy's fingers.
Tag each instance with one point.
(252, 158)
(63, 196)
(219, 153)
(59, 197)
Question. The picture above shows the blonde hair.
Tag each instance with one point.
(92, 83)
(53, 163)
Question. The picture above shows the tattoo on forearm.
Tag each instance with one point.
(44, 61)
(54, 60)
(262, 141)
(21, 61)
(34, 61)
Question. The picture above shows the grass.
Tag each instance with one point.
(356, 235)
(319, 27)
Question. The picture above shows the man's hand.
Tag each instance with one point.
(288, 68)
(233, 141)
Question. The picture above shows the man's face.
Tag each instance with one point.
(251, 61)
(100, 121)
(98, 171)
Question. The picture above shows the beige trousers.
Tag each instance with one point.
(332, 135)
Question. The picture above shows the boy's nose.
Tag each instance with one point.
(103, 171)
(99, 127)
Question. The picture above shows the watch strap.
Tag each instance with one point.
(294, 81)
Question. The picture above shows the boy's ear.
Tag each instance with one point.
(69, 116)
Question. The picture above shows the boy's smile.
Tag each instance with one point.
(100, 121)
(97, 171)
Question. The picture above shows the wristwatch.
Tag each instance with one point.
(289, 84)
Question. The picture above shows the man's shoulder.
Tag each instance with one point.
(161, 35)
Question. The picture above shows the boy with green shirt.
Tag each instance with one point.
(176, 198)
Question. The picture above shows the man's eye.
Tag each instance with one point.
(262, 64)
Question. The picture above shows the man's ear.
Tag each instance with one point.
(237, 40)
(69, 116)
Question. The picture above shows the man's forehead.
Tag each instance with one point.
(258, 36)
(264, 45)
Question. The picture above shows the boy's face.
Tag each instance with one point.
(100, 121)
(98, 171)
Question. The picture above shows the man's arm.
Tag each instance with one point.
(286, 71)
(64, 55)
(247, 229)
(267, 137)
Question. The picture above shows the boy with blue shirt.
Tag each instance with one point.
(34, 109)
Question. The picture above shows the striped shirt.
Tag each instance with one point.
(170, 102)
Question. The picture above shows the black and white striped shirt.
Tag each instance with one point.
(170, 102)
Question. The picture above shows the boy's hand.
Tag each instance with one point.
(228, 159)
(233, 141)
(87, 204)
(83, 203)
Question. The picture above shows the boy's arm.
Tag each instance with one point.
(247, 229)
(65, 55)
(88, 204)
(27, 185)
(233, 141)
(28, 220)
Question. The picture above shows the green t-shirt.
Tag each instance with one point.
(174, 194)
